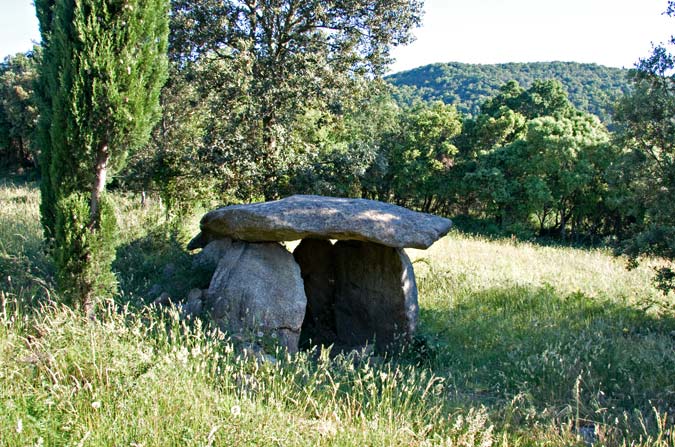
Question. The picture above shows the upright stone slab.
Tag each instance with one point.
(258, 287)
(209, 257)
(316, 258)
(376, 294)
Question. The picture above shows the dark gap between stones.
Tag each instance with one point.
(358, 293)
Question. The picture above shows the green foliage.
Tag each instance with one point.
(419, 154)
(103, 67)
(273, 61)
(530, 153)
(592, 88)
(111, 58)
(174, 161)
(18, 111)
(45, 87)
(336, 149)
(83, 255)
(645, 178)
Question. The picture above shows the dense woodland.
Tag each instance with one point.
(274, 104)
(592, 88)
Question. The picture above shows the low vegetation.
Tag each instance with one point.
(519, 344)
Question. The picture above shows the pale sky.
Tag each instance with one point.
(18, 26)
(607, 32)
(615, 33)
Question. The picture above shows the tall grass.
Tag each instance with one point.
(519, 345)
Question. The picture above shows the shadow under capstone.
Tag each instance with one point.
(358, 293)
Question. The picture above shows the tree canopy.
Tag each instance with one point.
(277, 59)
(592, 88)
(645, 181)
(18, 110)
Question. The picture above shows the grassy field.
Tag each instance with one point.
(519, 345)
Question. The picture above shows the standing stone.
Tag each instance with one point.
(258, 287)
(209, 257)
(376, 294)
(317, 264)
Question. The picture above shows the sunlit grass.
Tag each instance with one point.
(518, 345)
(486, 264)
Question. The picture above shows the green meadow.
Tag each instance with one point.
(518, 344)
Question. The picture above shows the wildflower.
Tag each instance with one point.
(96, 405)
(235, 410)
(19, 425)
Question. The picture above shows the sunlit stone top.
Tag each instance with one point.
(305, 216)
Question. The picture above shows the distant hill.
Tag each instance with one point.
(591, 87)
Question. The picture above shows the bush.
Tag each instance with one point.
(83, 256)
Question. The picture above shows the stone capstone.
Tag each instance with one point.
(305, 216)
(258, 288)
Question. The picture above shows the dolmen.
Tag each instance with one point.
(357, 291)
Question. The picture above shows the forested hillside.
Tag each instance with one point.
(591, 87)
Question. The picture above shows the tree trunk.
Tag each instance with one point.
(98, 187)
(575, 224)
(427, 203)
(269, 158)
(100, 177)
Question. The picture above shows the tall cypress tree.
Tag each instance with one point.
(105, 63)
(45, 87)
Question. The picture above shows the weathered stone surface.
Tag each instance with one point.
(258, 287)
(316, 259)
(376, 294)
(301, 217)
(163, 300)
(194, 294)
(192, 308)
(155, 290)
(209, 257)
(357, 292)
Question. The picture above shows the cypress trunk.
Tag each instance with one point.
(100, 176)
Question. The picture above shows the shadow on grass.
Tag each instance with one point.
(570, 353)
(25, 269)
(487, 228)
(155, 263)
(27, 273)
